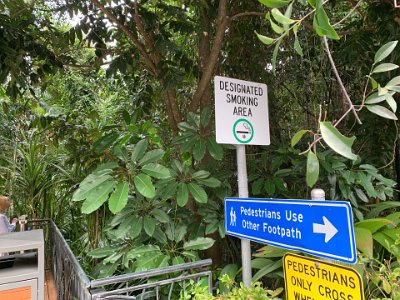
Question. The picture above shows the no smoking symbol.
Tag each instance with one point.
(243, 131)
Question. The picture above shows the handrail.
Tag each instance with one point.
(151, 273)
(73, 283)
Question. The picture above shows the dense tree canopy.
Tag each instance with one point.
(106, 120)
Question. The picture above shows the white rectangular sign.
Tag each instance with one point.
(241, 112)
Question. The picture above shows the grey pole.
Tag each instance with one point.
(244, 193)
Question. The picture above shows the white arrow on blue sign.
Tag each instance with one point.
(321, 228)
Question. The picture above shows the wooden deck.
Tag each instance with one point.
(50, 291)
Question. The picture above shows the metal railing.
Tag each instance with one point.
(72, 282)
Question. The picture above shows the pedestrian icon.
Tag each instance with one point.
(233, 217)
(243, 131)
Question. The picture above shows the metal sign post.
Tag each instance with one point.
(243, 193)
(241, 118)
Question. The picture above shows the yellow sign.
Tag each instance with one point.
(312, 279)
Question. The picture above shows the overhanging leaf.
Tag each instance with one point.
(384, 68)
(392, 103)
(322, 26)
(280, 18)
(374, 98)
(297, 46)
(264, 39)
(394, 81)
(312, 168)
(144, 185)
(336, 141)
(275, 55)
(274, 3)
(384, 51)
(381, 111)
(276, 28)
(297, 137)
(119, 197)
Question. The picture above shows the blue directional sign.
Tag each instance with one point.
(320, 228)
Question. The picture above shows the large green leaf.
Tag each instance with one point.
(322, 26)
(280, 18)
(143, 250)
(105, 142)
(151, 156)
(149, 224)
(297, 137)
(144, 185)
(276, 28)
(392, 103)
(97, 197)
(136, 227)
(119, 198)
(198, 193)
(268, 268)
(199, 244)
(161, 215)
(373, 225)
(156, 170)
(199, 149)
(275, 3)
(312, 169)
(336, 141)
(210, 182)
(394, 81)
(387, 238)
(384, 68)
(375, 98)
(201, 174)
(139, 150)
(366, 182)
(275, 55)
(182, 195)
(381, 111)
(264, 39)
(364, 240)
(297, 46)
(384, 51)
(87, 186)
(215, 150)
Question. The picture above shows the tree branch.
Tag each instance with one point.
(147, 38)
(129, 34)
(222, 22)
(246, 14)
(335, 71)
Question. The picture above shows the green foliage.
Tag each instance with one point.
(235, 292)
(285, 24)
(192, 140)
